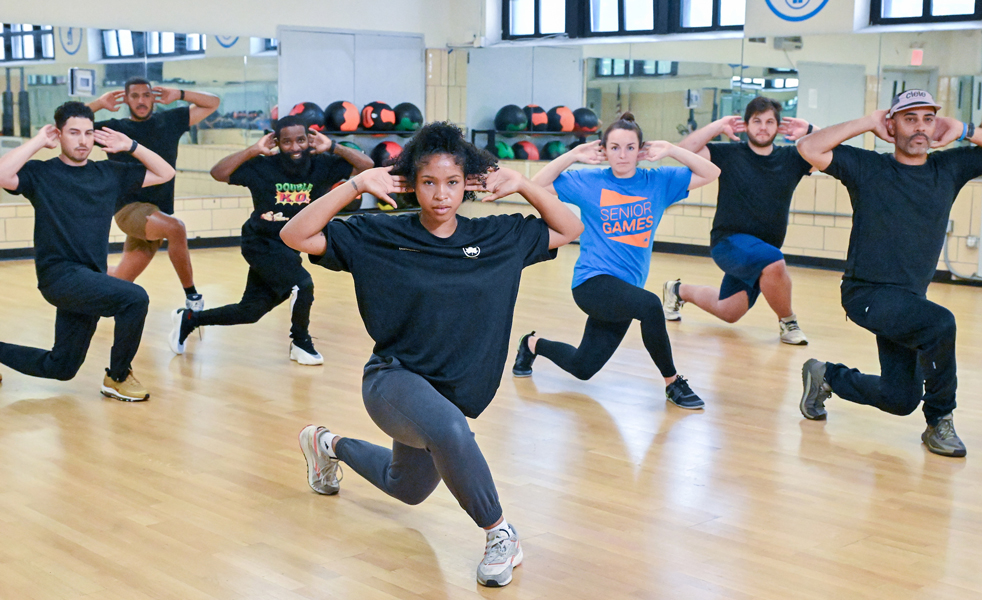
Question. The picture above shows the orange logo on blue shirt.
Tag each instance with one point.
(626, 219)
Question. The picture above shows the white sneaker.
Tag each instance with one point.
(502, 553)
(670, 300)
(322, 470)
(305, 354)
(791, 333)
(174, 339)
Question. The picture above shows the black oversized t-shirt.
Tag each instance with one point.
(161, 133)
(443, 307)
(755, 191)
(900, 212)
(73, 210)
(275, 189)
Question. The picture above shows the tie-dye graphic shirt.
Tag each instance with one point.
(620, 217)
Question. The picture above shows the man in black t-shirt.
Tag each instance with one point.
(145, 216)
(306, 167)
(74, 200)
(756, 183)
(900, 203)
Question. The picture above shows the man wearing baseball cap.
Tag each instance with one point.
(901, 202)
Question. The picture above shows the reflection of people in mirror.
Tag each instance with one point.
(901, 202)
(757, 181)
(146, 217)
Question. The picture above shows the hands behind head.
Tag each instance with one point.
(591, 153)
(946, 131)
(165, 95)
(792, 128)
(731, 125)
(110, 101)
(880, 126)
(654, 151)
(48, 135)
(113, 141)
(266, 144)
(380, 182)
(319, 142)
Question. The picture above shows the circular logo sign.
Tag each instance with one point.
(796, 10)
(226, 41)
(71, 39)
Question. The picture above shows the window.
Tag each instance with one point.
(23, 41)
(591, 18)
(533, 18)
(123, 43)
(619, 67)
(896, 12)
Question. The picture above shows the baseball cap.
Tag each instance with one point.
(911, 99)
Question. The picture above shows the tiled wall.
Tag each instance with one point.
(446, 85)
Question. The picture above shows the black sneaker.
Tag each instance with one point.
(302, 350)
(181, 328)
(681, 395)
(523, 361)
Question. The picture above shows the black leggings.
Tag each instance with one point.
(273, 271)
(611, 304)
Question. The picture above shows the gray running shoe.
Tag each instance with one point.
(791, 333)
(942, 439)
(670, 301)
(681, 395)
(816, 391)
(502, 554)
(321, 468)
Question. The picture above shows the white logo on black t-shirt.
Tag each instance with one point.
(472, 251)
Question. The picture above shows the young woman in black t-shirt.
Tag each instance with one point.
(427, 287)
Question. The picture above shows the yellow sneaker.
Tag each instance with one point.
(130, 390)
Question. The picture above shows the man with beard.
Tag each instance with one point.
(74, 200)
(146, 215)
(306, 167)
(756, 184)
(901, 202)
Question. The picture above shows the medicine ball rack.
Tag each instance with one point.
(493, 133)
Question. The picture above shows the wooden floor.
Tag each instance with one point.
(201, 493)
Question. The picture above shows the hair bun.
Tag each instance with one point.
(627, 116)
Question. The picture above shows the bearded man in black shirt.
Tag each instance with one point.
(901, 202)
(74, 200)
(757, 180)
(146, 216)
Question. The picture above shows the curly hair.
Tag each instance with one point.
(441, 138)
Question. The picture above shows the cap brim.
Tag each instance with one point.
(912, 107)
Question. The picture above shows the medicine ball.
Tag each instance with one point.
(501, 150)
(351, 145)
(537, 118)
(385, 153)
(560, 119)
(311, 114)
(378, 116)
(341, 116)
(553, 149)
(525, 150)
(274, 113)
(408, 117)
(510, 118)
(585, 120)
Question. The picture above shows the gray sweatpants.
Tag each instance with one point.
(430, 441)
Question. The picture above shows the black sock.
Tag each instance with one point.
(190, 291)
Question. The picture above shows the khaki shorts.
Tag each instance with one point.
(132, 220)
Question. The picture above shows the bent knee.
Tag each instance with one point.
(413, 496)
(64, 370)
(584, 372)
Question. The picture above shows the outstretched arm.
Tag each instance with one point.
(225, 167)
(158, 170)
(590, 154)
(696, 141)
(359, 161)
(305, 231)
(703, 170)
(564, 226)
(202, 103)
(12, 162)
(816, 148)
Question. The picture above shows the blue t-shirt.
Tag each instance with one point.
(620, 217)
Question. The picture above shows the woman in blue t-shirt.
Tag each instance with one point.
(620, 207)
